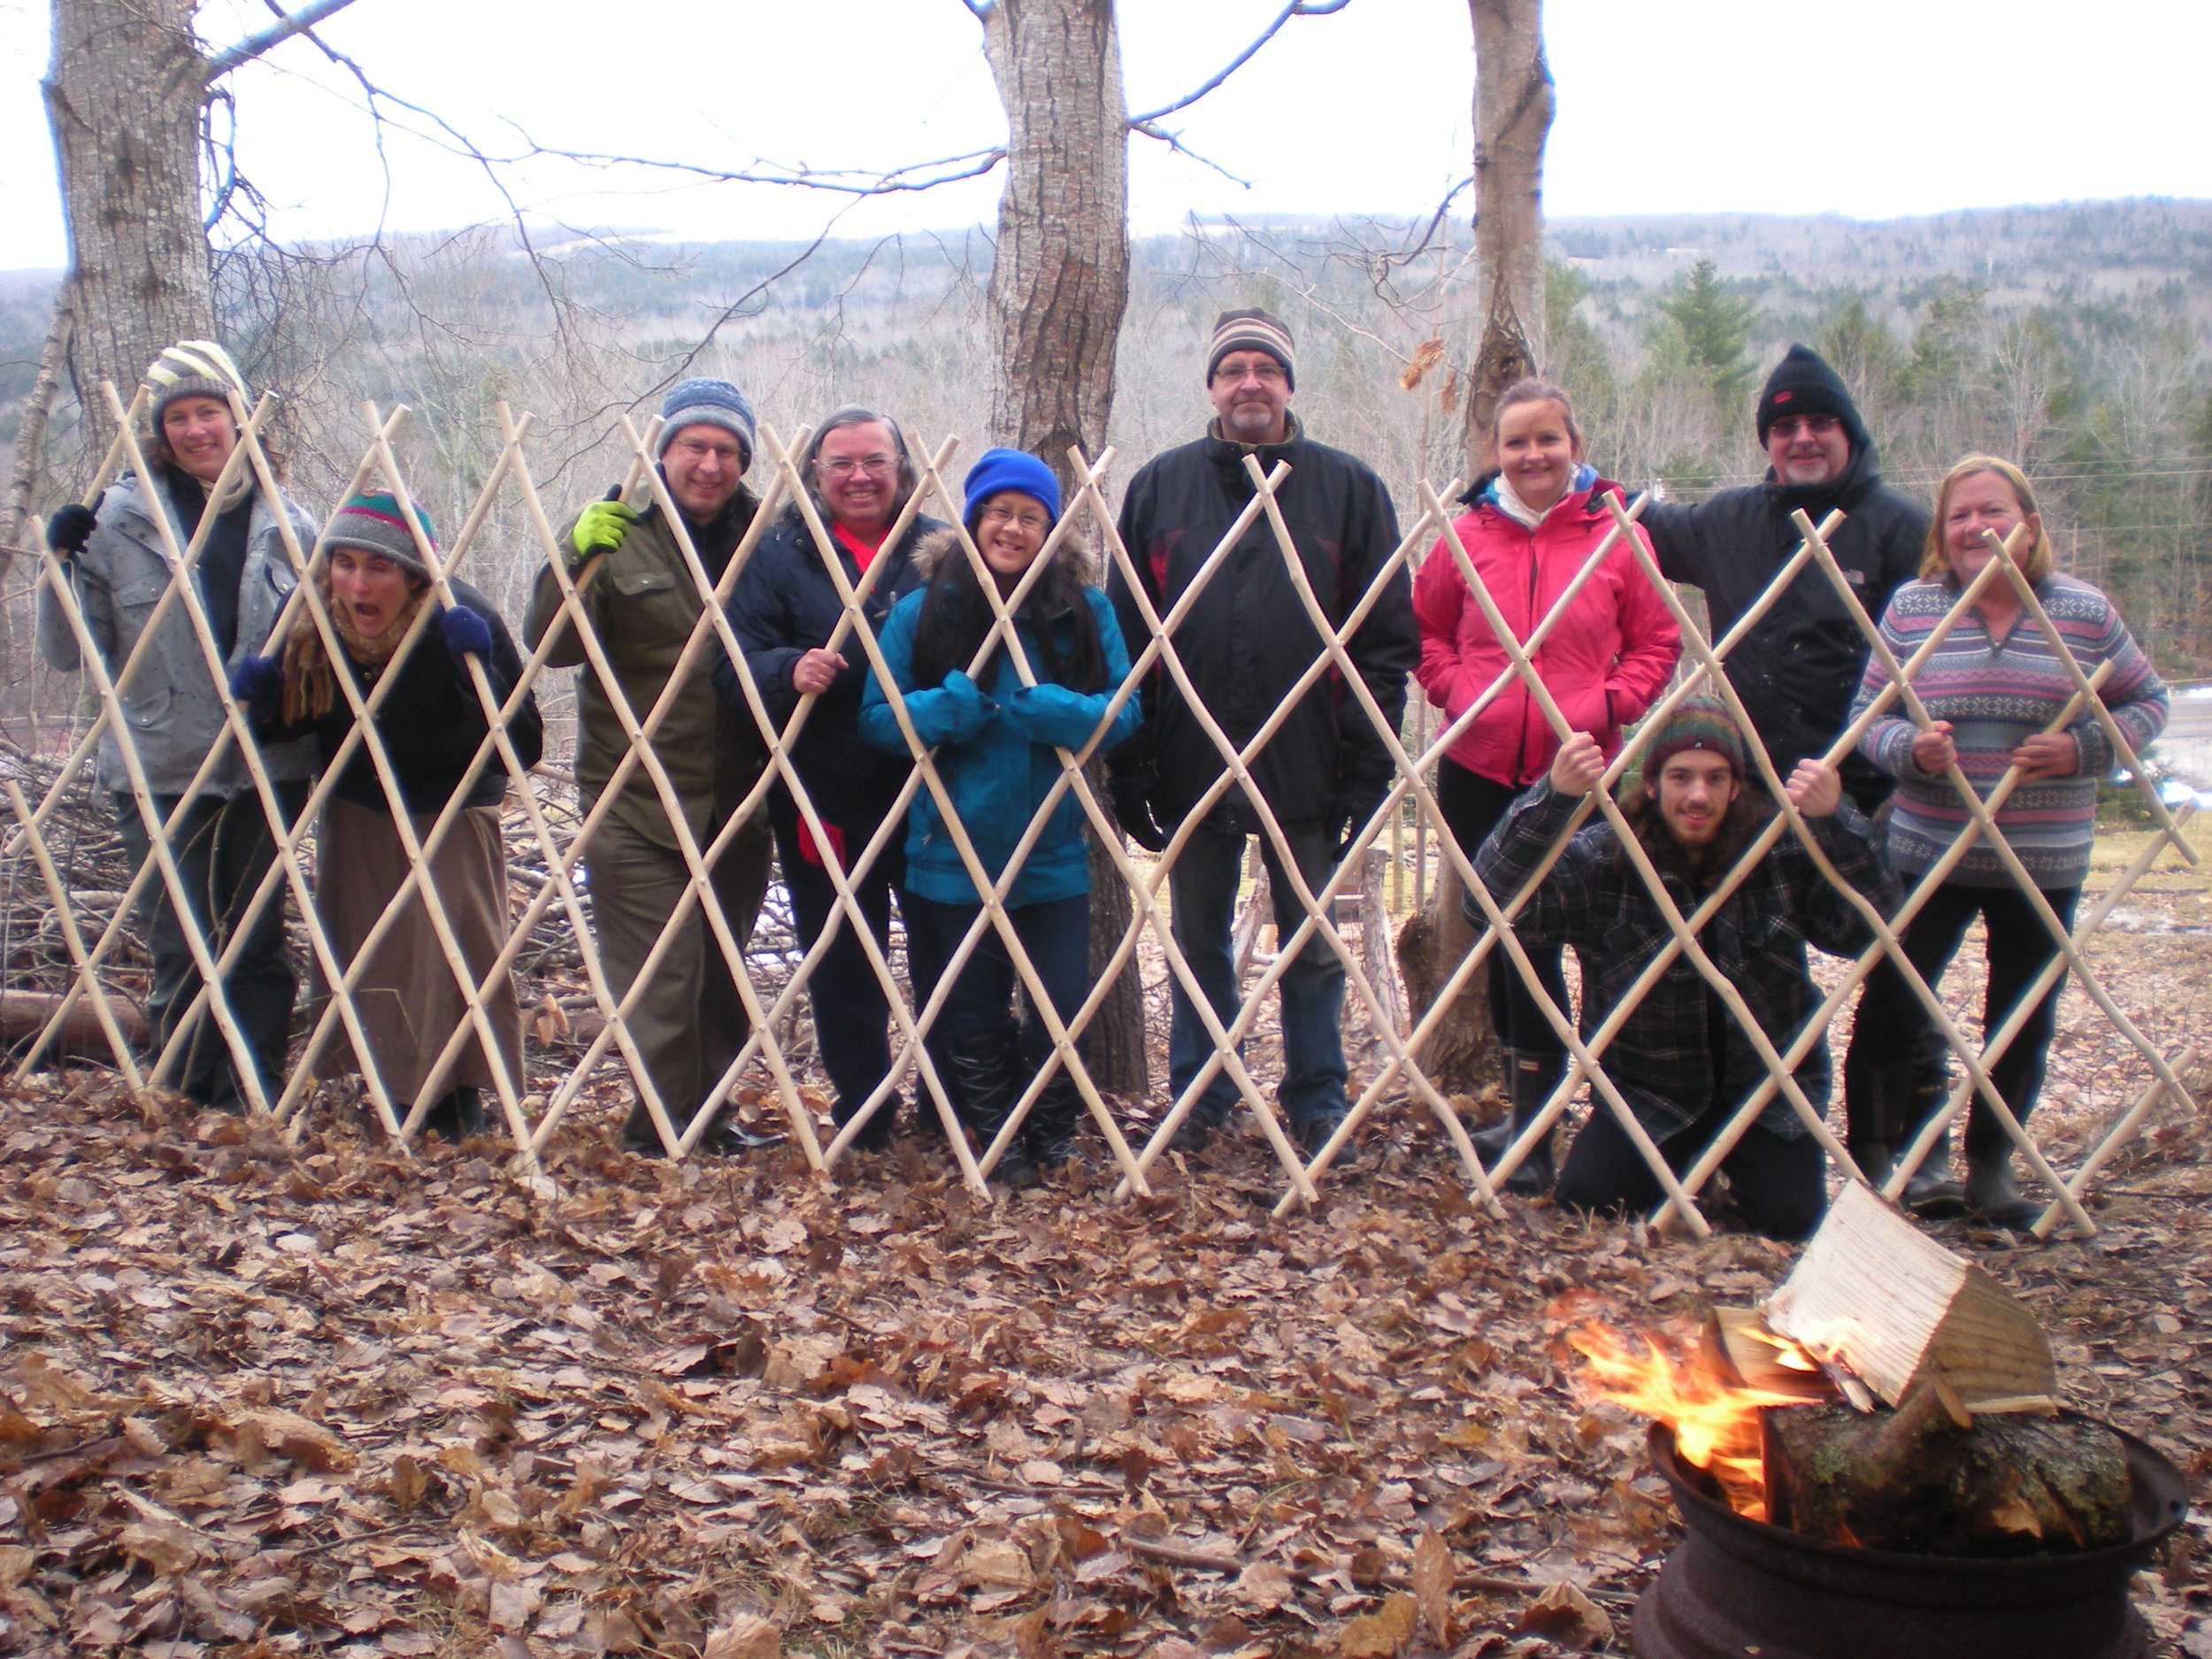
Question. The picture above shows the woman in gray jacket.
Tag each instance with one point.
(119, 567)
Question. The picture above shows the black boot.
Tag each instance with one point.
(456, 1115)
(985, 1087)
(1529, 1080)
(1931, 1192)
(1053, 1121)
(1992, 1194)
(1874, 1158)
(875, 1134)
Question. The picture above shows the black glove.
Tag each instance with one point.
(69, 529)
(258, 683)
(1132, 810)
(1356, 804)
(464, 632)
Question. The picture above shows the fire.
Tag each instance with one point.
(1716, 1422)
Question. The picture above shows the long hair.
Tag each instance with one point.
(1746, 815)
(957, 617)
(856, 415)
(1935, 558)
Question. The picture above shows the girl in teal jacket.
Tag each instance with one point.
(997, 742)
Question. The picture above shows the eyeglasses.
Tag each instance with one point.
(695, 450)
(1036, 523)
(1265, 369)
(845, 466)
(1809, 426)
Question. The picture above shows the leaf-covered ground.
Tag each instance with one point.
(260, 1399)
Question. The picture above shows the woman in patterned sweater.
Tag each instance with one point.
(1993, 687)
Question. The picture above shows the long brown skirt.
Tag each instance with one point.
(407, 995)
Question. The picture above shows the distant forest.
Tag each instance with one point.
(2072, 339)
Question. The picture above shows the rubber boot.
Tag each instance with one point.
(1050, 1132)
(1529, 1080)
(1932, 1193)
(983, 1088)
(1992, 1194)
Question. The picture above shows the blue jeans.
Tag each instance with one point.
(1056, 935)
(1202, 887)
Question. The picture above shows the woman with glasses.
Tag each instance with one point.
(997, 754)
(789, 617)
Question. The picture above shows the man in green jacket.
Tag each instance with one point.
(642, 600)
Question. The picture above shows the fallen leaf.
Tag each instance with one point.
(1264, 1586)
(746, 1636)
(1562, 1614)
(1433, 1571)
(1382, 1633)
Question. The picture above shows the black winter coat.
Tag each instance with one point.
(1249, 638)
(431, 721)
(784, 605)
(1799, 668)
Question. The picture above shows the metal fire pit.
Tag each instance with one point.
(1738, 1586)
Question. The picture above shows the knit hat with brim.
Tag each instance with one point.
(1701, 723)
(374, 523)
(194, 368)
(1803, 384)
(998, 471)
(707, 403)
(1252, 330)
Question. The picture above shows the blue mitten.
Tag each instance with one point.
(953, 713)
(467, 634)
(258, 683)
(1054, 715)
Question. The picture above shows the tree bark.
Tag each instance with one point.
(1060, 282)
(1513, 112)
(124, 93)
(1059, 285)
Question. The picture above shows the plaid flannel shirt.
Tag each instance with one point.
(1663, 1059)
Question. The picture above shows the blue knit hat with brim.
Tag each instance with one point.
(997, 471)
(374, 523)
(707, 403)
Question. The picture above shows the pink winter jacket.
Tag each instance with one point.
(1604, 662)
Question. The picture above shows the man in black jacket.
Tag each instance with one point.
(1798, 667)
(1244, 644)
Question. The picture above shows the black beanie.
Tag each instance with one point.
(1803, 384)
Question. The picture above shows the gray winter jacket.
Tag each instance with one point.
(169, 700)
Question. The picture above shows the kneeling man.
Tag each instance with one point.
(1681, 1060)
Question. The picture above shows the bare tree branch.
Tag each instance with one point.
(1296, 9)
(283, 29)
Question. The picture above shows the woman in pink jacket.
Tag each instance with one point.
(1532, 525)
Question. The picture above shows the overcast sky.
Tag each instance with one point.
(1873, 110)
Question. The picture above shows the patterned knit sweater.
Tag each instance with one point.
(1996, 695)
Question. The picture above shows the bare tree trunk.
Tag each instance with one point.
(1059, 286)
(30, 433)
(1061, 280)
(1513, 112)
(123, 94)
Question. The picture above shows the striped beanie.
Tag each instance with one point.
(194, 368)
(707, 403)
(1252, 330)
(374, 524)
(1701, 723)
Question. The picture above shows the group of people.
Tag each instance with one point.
(997, 656)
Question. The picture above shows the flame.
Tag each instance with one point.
(1716, 1422)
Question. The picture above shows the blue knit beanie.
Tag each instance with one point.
(706, 402)
(997, 470)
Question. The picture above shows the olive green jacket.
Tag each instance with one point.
(642, 602)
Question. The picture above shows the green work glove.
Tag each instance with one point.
(600, 528)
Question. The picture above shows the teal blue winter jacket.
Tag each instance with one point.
(998, 778)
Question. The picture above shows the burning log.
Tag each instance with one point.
(1930, 1479)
